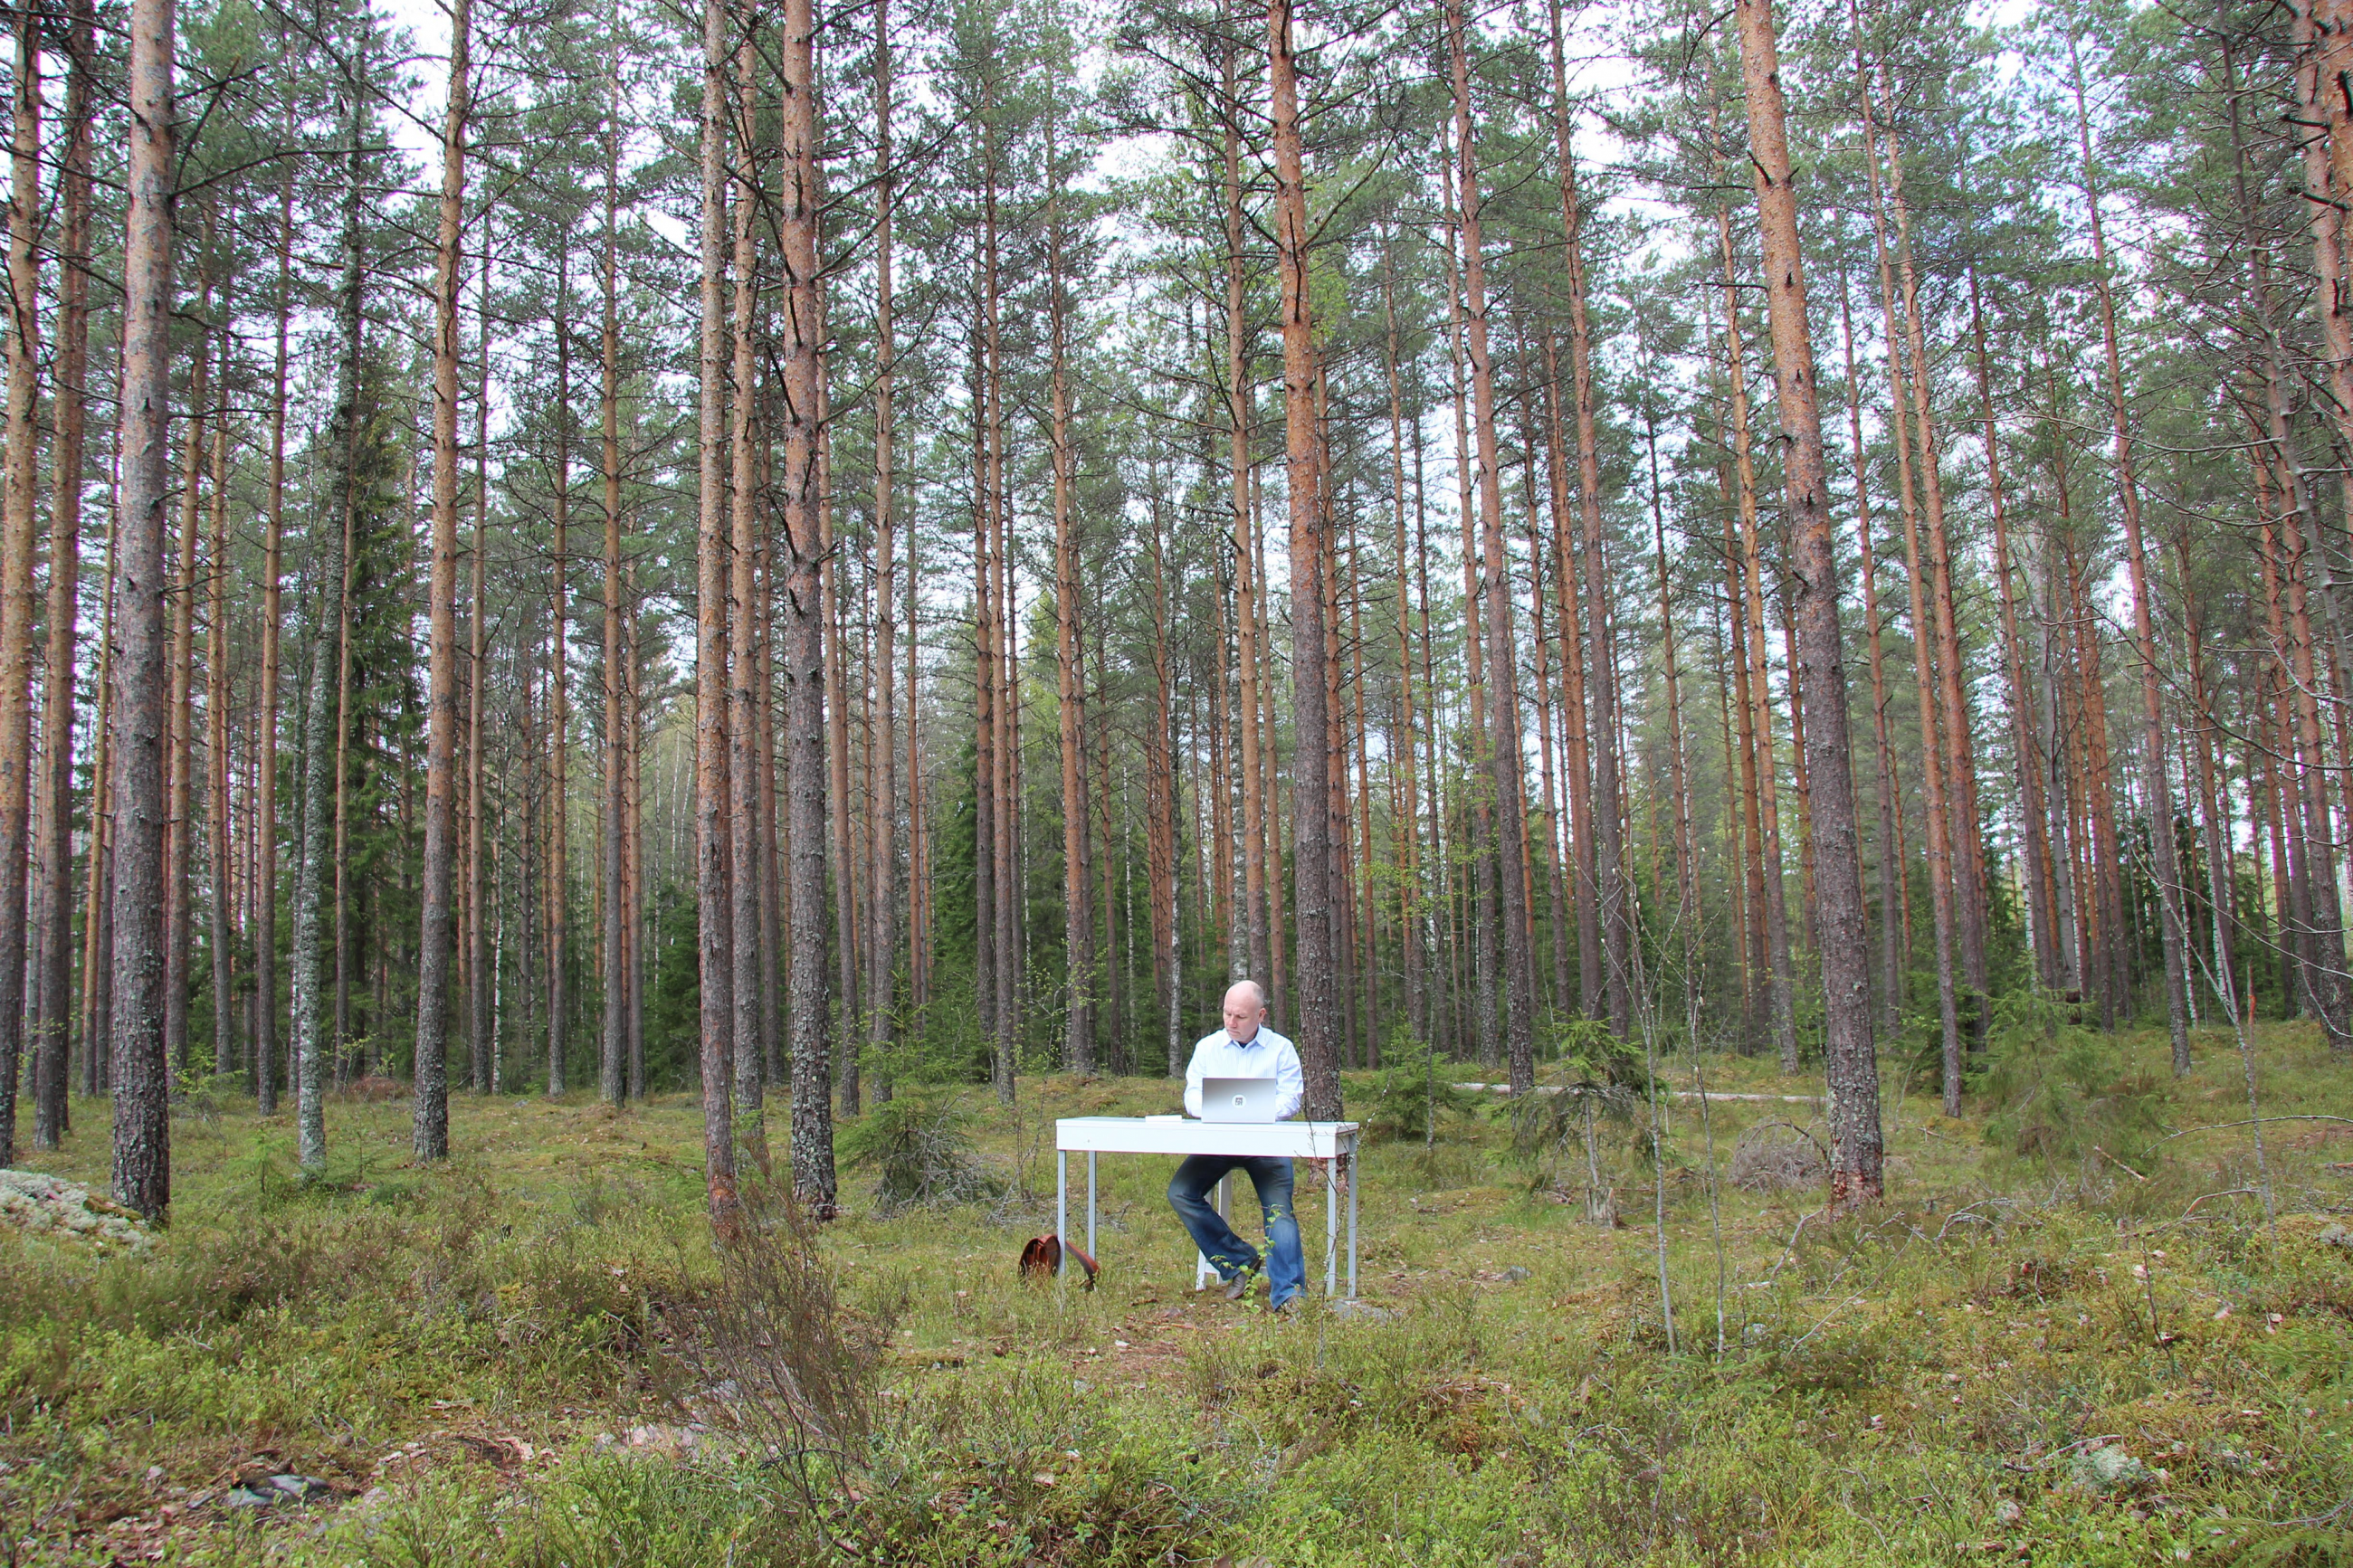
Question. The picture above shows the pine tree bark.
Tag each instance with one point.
(1505, 756)
(1851, 1059)
(1253, 925)
(1780, 976)
(802, 647)
(178, 917)
(1934, 756)
(19, 498)
(1484, 917)
(216, 749)
(320, 753)
(559, 700)
(1967, 853)
(882, 810)
(53, 872)
(1078, 912)
(1311, 835)
(1585, 873)
(430, 1132)
(2036, 872)
(612, 1055)
(2159, 800)
(744, 871)
(143, 1131)
(714, 951)
(482, 1042)
(97, 948)
(1612, 896)
(267, 1069)
(1160, 803)
(1405, 744)
(1892, 871)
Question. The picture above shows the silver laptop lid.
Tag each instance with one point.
(1238, 1099)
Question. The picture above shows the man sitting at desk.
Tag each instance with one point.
(1245, 1047)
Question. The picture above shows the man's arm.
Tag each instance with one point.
(1193, 1076)
(1291, 1083)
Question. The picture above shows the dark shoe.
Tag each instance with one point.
(1240, 1285)
(1290, 1305)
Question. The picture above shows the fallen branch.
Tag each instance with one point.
(2119, 1164)
(2250, 1121)
(1676, 1093)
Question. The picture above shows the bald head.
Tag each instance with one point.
(1245, 1010)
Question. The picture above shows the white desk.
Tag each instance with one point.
(1334, 1142)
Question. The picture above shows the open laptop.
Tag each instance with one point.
(1238, 1099)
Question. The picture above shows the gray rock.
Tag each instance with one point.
(57, 1210)
(2105, 1470)
(1351, 1309)
(1513, 1274)
(275, 1491)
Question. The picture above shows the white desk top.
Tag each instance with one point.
(1264, 1140)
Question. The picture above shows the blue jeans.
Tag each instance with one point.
(1188, 1195)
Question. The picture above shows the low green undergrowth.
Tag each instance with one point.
(2070, 1336)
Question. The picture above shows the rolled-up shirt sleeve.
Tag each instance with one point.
(1291, 1084)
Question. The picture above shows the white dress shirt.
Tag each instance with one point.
(1265, 1055)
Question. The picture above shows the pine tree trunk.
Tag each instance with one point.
(1892, 870)
(2036, 872)
(612, 1055)
(1689, 915)
(267, 1068)
(1781, 977)
(1405, 744)
(803, 648)
(320, 752)
(715, 940)
(53, 870)
(18, 499)
(1613, 899)
(984, 667)
(178, 918)
(1160, 803)
(1485, 917)
(1253, 925)
(2159, 802)
(97, 950)
(1934, 756)
(847, 886)
(217, 758)
(1967, 853)
(559, 701)
(746, 432)
(142, 1132)
(1505, 757)
(1585, 873)
(483, 1041)
(882, 810)
(1851, 1059)
(1078, 914)
(430, 1138)
(1309, 787)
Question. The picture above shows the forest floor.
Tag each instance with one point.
(2068, 1337)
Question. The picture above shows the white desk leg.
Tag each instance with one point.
(1202, 1272)
(1090, 1203)
(1352, 1218)
(1062, 1207)
(1331, 1224)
